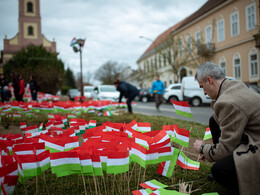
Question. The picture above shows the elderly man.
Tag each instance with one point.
(235, 127)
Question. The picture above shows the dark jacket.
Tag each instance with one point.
(34, 85)
(126, 90)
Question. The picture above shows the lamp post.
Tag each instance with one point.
(80, 43)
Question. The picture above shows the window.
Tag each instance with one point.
(29, 7)
(189, 44)
(198, 38)
(170, 82)
(221, 30)
(180, 49)
(237, 68)
(176, 87)
(164, 59)
(253, 65)
(160, 61)
(30, 30)
(223, 66)
(165, 84)
(234, 24)
(250, 17)
(209, 34)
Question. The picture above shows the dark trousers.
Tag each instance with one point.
(34, 95)
(224, 170)
(158, 99)
(129, 100)
(20, 97)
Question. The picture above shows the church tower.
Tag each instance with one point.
(29, 22)
(29, 31)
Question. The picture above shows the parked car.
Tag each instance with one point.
(72, 93)
(145, 95)
(105, 92)
(173, 92)
(192, 92)
(88, 91)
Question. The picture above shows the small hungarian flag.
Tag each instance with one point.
(73, 41)
(186, 163)
(143, 127)
(107, 113)
(181, 136)
(207, 134)
(166, 168)
(153, 184)
(118, 162)
(92, 124)
(22, 125)
(143, 192)
(65, 163)
(182, 108)
(41, 127)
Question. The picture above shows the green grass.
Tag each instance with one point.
(126, 182)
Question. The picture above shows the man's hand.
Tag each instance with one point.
(197, 145)
(202, 157)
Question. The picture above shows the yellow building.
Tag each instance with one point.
(222, 31)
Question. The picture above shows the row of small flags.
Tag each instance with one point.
(154, 187)
(19, 109)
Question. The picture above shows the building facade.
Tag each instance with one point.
(222, 31)
(29, 31)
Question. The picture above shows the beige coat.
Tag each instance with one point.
(237, 112)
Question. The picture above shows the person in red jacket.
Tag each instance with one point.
(21, 88)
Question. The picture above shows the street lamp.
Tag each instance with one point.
(77, 47)
(142, 37)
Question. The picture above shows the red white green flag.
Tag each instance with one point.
(166, 168)
(118, 162)
(186, 163)
(181, 136)
(182, 108)
(65, 163)
(153, 184)
(207, 134)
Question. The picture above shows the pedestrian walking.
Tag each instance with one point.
(235, 127)
(33, 88)
(128, 91)
(157, 90)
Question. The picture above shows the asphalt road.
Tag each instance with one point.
(201, 114)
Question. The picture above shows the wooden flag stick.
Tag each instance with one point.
(84, 183)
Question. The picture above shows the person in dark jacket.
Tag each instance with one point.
(3, 83)
(15, 80)
(128, 91)
(33, 88)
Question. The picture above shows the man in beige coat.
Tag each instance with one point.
(237, 114)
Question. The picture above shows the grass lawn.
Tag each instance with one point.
(126, 182)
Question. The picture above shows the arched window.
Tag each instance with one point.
(223, 65)
(29, 7)
(237, 66)
(253, 63)
(30, 30)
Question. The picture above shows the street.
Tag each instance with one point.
(201, 114)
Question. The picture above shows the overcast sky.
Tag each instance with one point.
(111, 27)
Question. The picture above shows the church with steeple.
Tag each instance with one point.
(29, 32)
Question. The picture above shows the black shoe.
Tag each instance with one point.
(211, 177)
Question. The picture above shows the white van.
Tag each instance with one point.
(192, 92)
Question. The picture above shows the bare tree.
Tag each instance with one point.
(110, 71)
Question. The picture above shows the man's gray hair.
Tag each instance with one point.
(209, 69)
